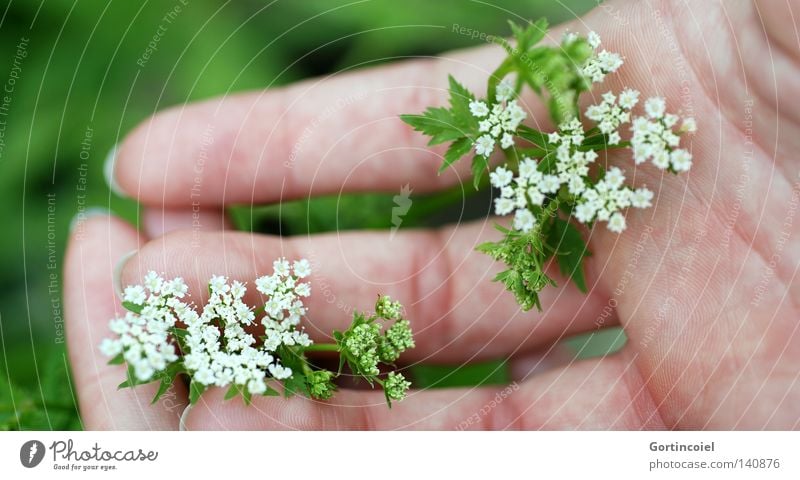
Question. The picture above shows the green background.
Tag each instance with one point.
(80, 74)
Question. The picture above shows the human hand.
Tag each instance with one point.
(702, 283)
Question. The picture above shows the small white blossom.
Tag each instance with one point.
(600, 64)
(134, 294)
(302, 268)
(501, 177)
(505, 90)
(484, 145)
(524, 220)
(655, 107)
(478, 109)
(594, 40)
(616, 223)
(641, 198)
(689, 125)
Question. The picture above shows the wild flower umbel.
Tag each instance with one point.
(552, 181)
(220, 346)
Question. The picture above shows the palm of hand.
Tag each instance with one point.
(702, 283)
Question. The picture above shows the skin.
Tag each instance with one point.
(704, 283)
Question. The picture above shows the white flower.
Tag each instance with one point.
(689, 125)
(501, 177)
(506, 141)
(503, 206)
(628, 98)
(153, 282)
(110, 348)
(568, 37)
(281, 267)
(505, 90)
(302, 268)
(524, 220)
(218, 284)
(594, 39)
(614, 177)
(641, 198)
(478, 109)
(584, 212)
(279, 371)
(616, 223)
(655, 107)
(302, 289)
(614, 138)
(680, 160)
(484, 145)
(134, 294)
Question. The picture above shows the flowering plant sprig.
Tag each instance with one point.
(225, 343)
(551, 181)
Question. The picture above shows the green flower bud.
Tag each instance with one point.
(396, 386)
(320, 384)
(388, 309)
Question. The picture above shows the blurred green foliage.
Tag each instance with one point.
(80, 89)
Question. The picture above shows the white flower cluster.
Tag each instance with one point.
(284, 306)
(607, 198)
(144, 339)
(529, 187)
(220, 351)
(600, 63)
(654, 138)
(499, 123)
(613, 112)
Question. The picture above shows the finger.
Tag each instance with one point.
(456, 310)
(319, 136)
(594, 395)
(158, 221)
(96, 244)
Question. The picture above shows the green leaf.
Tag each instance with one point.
(232, 392)
(133, 307)
(118, 360)
(166, 382)
(534, 136)
(457, 149)
(460, 97)
(479, 166)
(569, 249)
(195, 390)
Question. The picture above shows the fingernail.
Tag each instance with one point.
(118, 271)
(86, 214)
(182, 421)
(108, 172)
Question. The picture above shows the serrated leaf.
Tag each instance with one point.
(570, 251)
(133, 307)
(534, 136)
(457, 149)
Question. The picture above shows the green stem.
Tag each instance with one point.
(322, 347)
(550, 210)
